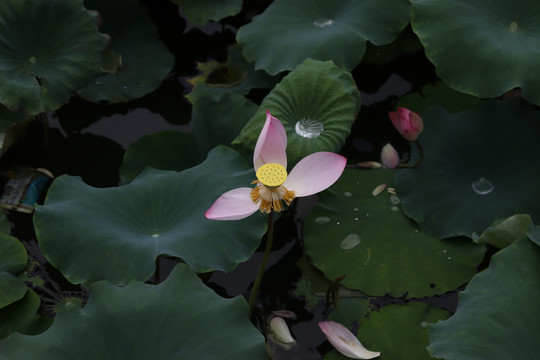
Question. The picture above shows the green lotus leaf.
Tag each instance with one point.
(289, 31)
(13, 259)
(20, 316)
(201, 11)
(468, 177)
(138, 61)
(115, 234)
(180, 318)
(48, 50)
(497, 314)
(379, 250)
(504, 232)
(214, 122)
(483, 48)
(398, 331)
(235, 76)
(317, 104)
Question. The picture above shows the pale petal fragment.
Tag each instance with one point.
(235, 204)
(280, 331)
(271, 144)
(389, 157)
(315, 173)
(345, 342)
(378, 190)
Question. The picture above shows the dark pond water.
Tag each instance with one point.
(89, 140)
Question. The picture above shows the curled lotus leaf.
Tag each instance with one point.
(49, 49)
(483, 48)
(317, 103)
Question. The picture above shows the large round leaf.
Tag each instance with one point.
(497, 314)
(177, 319)
(116, 233)
(289, 31)
(378, 249)
(398, 331)
(484, 48)
(317, 104)
(48, 50)
(479, 166)
(137, 60)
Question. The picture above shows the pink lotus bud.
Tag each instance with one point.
(408, 123)
(389, 157)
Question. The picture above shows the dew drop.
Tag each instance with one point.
(445, 251)
(155, 235)
(394, 200)
(323, 22)
(394, 208)
(350, 241)
(356, 209)
(309, 128)
(482, 186)
(322, 220)
(449, 258)
(347, 194)
(424, 324)
(32, 59)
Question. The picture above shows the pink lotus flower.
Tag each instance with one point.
(408, 123)
(273, 186)
(345, 342)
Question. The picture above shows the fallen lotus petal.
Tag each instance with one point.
(280, 331)
(345, 342)
(370, 164)
(378, 190)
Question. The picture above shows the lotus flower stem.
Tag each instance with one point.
(262, 267)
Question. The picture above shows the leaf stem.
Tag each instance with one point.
(262, 267)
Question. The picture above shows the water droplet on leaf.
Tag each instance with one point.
(322, 220)
(323, 22)
(482, 186)
(309, 128)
